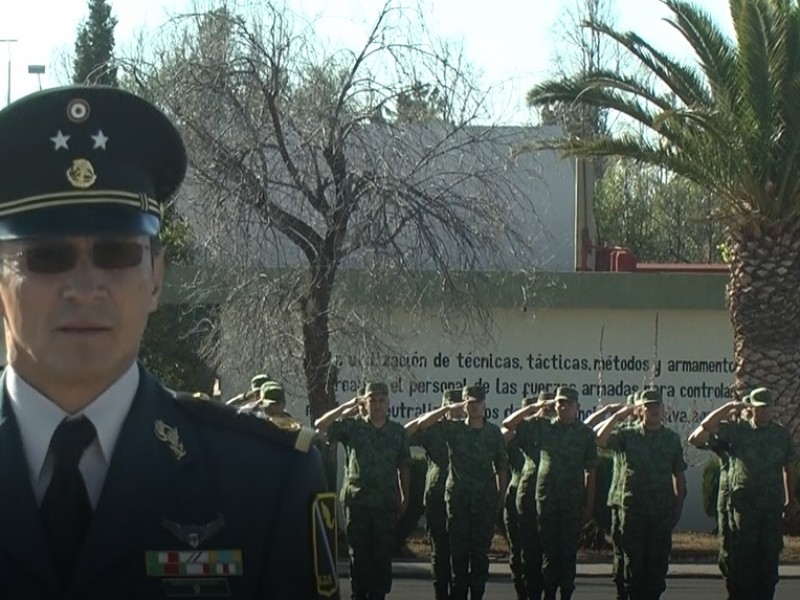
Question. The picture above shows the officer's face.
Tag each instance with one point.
(762, 415)
(77, 322)
(476, 409)
(566, 410)
(652, 414)
(377, 406)
(276, 409)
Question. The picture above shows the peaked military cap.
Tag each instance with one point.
(376, 387)
(451, 396)
(259, 380)
(272, 392)
(86, 160)
(649, 396)
(567, 393)
(760, 397)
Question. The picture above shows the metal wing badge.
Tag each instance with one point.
(194, 535)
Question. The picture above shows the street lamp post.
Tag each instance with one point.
(8, 42)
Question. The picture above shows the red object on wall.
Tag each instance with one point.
(622, 260)
(602, 258)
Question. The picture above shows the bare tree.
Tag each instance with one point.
(322, 208)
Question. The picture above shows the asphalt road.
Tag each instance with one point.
(587, 589)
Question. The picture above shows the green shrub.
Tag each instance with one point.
(416, 504)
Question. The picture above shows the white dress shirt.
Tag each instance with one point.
(37, 419)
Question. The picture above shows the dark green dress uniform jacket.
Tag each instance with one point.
(254, 490)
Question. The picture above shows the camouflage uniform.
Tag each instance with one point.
(565, 453)
(531, 554)
(651, 458)
(755, 479)
(615, 506)
(516, 462)
(723, 508)
(476, 455)
(435, 445)
(370, 498)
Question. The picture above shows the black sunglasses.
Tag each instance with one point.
(61, 256)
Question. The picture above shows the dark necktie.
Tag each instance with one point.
(66, 510)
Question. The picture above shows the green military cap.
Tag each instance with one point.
(760, 397)
(272, 392)
(86, 160)
(451, 396)
(474, 393)
(648, 396)
(567, 393)
(545, 396)
(376, 387)
(258, 380)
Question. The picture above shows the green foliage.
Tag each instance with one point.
(661, 217)
(711, 487)
(416, 504)
(731, 124)
(175, 334)
(94, 47)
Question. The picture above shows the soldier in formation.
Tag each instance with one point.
(565, 484)
(378, 458)
(761, 484)
(651, 490)
(475, 488)
(434, 442)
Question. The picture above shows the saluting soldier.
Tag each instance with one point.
(565, 485)
(530, 549)
(614, 502)
(475, 488)
(434, 441)
(652, 488)
(378, 455)
(511, 516)
(761, 482)
(115, 486)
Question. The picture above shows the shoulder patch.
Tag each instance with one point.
(294, 435)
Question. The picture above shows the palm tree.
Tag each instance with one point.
(731, 124)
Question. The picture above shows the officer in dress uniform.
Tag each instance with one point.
(114, 486)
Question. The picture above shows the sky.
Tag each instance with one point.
(512, 43)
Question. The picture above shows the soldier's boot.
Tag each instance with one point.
(519, 586)
(622, 593)
(441, 591)
(536, 593)
(476, 591)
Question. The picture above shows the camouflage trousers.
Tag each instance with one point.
(646, 542)
(724, 537)
(436, 526)
(531, 547)
(618, 559)
(756, 542)
(514, 537)
(471, 525)
(559, 528)
(371, 536)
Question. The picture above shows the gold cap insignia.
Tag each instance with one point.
(168, 434)
(81, 174)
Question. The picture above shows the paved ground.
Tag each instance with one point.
(499, 571)
(588, 588)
